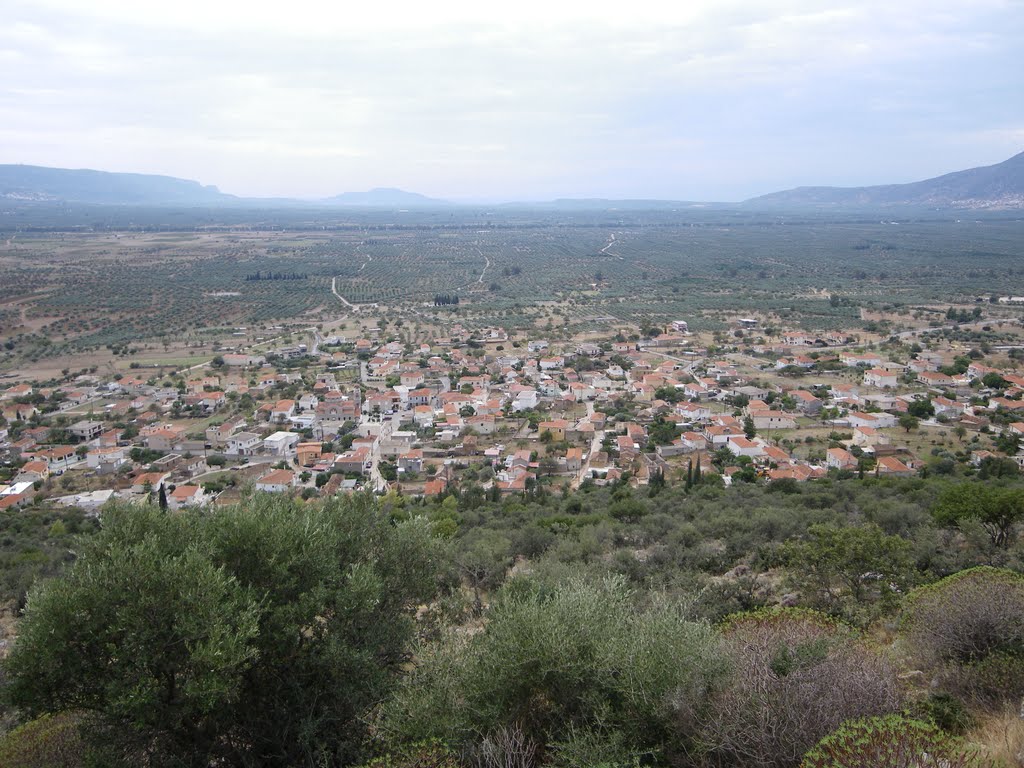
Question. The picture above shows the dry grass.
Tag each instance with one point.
(1001, 736)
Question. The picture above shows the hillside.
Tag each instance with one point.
(385, 197)
(36, 183)
(999, 186)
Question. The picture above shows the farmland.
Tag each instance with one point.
(177, 285)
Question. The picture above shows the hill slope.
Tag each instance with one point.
(36, 183)
(385, 197)
(992, 186)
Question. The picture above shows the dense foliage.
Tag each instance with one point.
(256, 635)
(607, 627)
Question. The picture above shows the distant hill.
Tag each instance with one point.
(386, 197)
(603, 204)
(999, 186)
(36, 183)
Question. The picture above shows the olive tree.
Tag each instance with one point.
(258, 634)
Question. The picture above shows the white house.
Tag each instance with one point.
(243, 444)
(281, 444)
(278, 481)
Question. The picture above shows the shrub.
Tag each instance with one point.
(50, 741)
(571, 669)
(893, 742)
(969, 630)
(795, 676)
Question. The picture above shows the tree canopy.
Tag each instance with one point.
(256, 635)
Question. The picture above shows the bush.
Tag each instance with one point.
(969, 630)
(795, 676)
(572, 669)
(891, 742)
(51, 741)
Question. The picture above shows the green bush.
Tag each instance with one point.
(891, 742)
(575, 667)
(49, 741)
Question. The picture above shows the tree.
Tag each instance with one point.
(922, 408)
(993, 380)
(909, 422)
(998, 509)
(244, 635)
(841, 569)
(748, 428)
(483, 558)
(163, 498)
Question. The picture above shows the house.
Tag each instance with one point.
(33, 470)
(106, 459)
(574, 459)
(277, 481)
(853, 359)
(164, 438)
(881, 378)
(840, 458)
(411, 460)
(523, 398)
(934, 379)
(741, 446)
(767, 420)
(806, 402)
(148, 482)
(890, 465)
(186, 496)
(308, 454)
(86, 430)
(243, 444)
(18, 390)
(873, 420)
(218, 434)
(58, 458)
(354, 462)
(281, 444)
(869, 437)
(282, 410)
(556, 428)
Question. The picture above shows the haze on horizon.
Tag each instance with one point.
(707, 100)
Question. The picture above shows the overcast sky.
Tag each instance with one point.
(681, 99)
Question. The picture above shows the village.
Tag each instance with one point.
(487, 412)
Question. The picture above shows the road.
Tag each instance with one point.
(486, 266)
(346, 302)
(595, 446)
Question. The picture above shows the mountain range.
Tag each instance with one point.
(999, 186)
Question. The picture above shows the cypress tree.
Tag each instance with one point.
(163, 497)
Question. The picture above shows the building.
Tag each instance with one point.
(277, 481)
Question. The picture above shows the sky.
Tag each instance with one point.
(525, 100)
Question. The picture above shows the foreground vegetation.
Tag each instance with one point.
(878, 620)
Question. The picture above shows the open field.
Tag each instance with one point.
(97, 296)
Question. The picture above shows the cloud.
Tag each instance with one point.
(696, 100)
